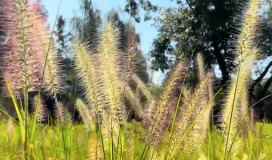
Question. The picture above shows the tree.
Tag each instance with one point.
(63, 38)
(206, 26)
(211, 28)
(133, 9)
(86, 27)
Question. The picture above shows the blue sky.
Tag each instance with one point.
(71, 7)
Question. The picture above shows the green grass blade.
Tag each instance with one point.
(243, 145)
(101, 136)
(8, 115)
(21, 123)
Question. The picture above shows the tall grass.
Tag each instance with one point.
(166, 127)
(246, 54)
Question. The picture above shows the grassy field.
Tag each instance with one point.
(78, 143)
(174, 124)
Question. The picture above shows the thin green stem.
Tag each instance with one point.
(119, 135)
(71, 132)
(221, 142)
(111, 141)
(101, 136)
(8, 115)
(26, 117)
(231, 113)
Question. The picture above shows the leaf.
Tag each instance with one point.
(181, 56)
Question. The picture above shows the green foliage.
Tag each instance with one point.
(86, 27)
(48, 143)
(133, 9)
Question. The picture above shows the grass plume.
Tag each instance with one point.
(159, 110)
(86, 71)
(84, 113)
(43, 47)
(42, 110)
(246, 55)
(109, 52)
(192, 105)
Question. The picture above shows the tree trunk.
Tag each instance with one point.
(221, 62)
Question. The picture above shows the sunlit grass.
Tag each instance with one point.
(48, 143)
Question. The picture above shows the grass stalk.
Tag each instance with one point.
(9, 115)
(231, 113)
(26, 118)
(61, 125)
(102, 142)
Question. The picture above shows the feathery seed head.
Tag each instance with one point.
(42, 110)
(192, 105)
(246, 53)
(160, 110)
(86, 66)
(26, 45)
(84, 113)
(129, 60)
(133, 100)
(59, 112)
(43, 46)
(18, 57)
(109, 53)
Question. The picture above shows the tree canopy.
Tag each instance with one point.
(206, 26)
